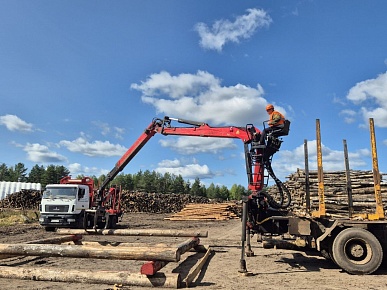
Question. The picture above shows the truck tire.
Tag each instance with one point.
(357, 251)
(113, 222)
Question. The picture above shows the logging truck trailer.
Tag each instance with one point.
(73, 203)
(356, 242)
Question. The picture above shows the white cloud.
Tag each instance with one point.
(286, 162)
(223, 31)
(349, 116)
(201, 97)
(97, 148)
(372, 94)
(41, 154)
(191, 145)
(186, 171)
(104, 127)
(14, 123)
(77, 169)
(118, 132)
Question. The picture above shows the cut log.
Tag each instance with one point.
(196, 269)
(124, 278)
(72, 251)
(139, 232)
(187, 245)
(54, 240)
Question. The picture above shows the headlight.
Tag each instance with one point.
(41, 219)
(71, 220)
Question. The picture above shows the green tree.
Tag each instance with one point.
(178, 185)
(237, 191)
(167, 182)
(61, 171)
(50, 176)
(211, 191)
(187, 187)
(18, 173)
(197, 189)
(148, 181)
(36, 174)
(4, 172)
(125, 181)
(138, 181)
(224, 193)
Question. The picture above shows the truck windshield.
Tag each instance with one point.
(60, 192)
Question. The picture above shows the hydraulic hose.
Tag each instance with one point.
(285, 197)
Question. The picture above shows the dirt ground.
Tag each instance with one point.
(268, 268)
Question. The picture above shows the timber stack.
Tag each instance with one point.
(24, 199)
(157, 202)
(206, 212)
(335, 190)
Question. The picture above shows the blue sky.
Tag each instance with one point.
(81, 80)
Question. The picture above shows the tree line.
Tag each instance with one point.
(145, 181)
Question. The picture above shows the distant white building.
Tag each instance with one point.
(8, 187)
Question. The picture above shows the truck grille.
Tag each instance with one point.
(57, 208)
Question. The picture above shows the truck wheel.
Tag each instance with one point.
(113, 222)
(357, 251)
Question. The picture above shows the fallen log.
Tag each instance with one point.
(140, 232)
(196, 269)
(73, 251)
(54, 240)
(124, 278)
(187, 245)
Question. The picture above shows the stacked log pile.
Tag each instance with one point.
(335, 190)
(130, 201)
(200, 211)
(156, 202)
(25, 199)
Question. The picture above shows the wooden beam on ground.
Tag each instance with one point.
(76, 251)
(196, 269)
(132, 232)
(124, 278)
(54, 240)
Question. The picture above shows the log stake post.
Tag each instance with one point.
(379, 213)
(348, 180)
(321, 195)
(307, 187)
(243, 268)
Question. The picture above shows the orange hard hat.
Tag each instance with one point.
(269, 107)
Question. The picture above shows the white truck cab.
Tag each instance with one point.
(63, 205)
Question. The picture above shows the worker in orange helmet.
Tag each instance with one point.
(276, 121)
